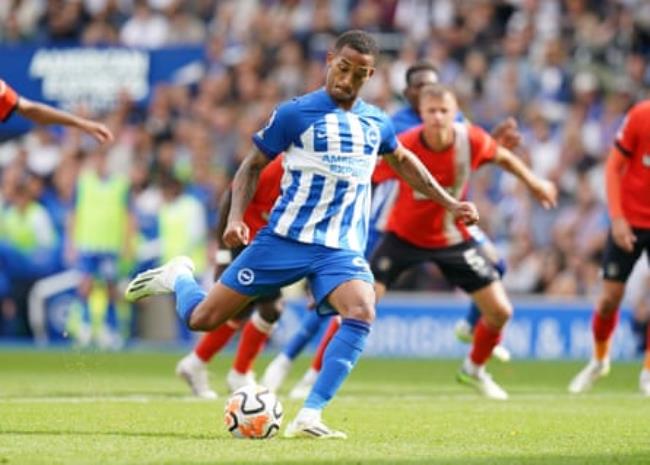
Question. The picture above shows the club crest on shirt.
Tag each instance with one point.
(372, 135)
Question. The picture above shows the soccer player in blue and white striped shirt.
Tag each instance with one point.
(318, 226)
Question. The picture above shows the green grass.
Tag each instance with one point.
(81, 408)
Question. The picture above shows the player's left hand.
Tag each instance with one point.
(465, 212)
(236, 234)
(99, 131)
(507, 134)
(546, 193)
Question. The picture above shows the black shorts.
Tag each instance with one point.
(464, 265)
(617, 263)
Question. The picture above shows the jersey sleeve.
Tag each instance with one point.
(8, 100)
(279, 132)
(628, 135)
(388, 137)
(483, 146)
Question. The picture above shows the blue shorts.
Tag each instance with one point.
(99, 265)
(271, 262)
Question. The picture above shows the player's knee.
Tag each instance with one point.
(609, 302)
(362, 311)
(202, 321)
(501, 314)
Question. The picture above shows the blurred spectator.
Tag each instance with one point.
(145, 28)
(566, 70)
(28, 251)
(101, 235)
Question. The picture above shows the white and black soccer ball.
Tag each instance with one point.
(253, 412)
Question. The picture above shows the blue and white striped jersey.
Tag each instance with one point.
(330, 155)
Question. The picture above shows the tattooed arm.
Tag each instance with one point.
(411, 169)
(243, 189)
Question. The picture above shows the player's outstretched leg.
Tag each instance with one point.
(279, 368)
(603, 325)
(253, 339)
(199, 310)
(193, 367)
(496, 309)
(354, 300)
(303, 387)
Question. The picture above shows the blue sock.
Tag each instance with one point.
(340, 357)
(308, 329)
(188, 295)
(473, 315)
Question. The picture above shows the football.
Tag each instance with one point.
(253, 412)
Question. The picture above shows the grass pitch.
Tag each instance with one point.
(82, 408)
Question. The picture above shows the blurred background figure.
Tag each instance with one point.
(101, 235)
(210, 73)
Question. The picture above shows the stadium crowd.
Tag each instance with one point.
(566, 70)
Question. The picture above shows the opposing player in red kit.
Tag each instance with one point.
(419, 231)
(41, 113)
(260, 324)
(628, 200)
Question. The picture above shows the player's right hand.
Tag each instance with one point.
(546, 193)
(99, 131)
(236, 234)
(465, 212)
(623, 235)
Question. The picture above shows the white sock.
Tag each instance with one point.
(282, 358)
(470, 367)
(310, 375)
(308, 415)
(195, 361)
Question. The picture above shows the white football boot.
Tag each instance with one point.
(308, 424)
(236, 380)
(463, 331)
(585, 380)
(302, 389)
(159, 280)
(644, 382)
(476, 377)
(276, 372)
(501, 353)
(194, 371)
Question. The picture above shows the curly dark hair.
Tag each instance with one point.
(359, 40)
